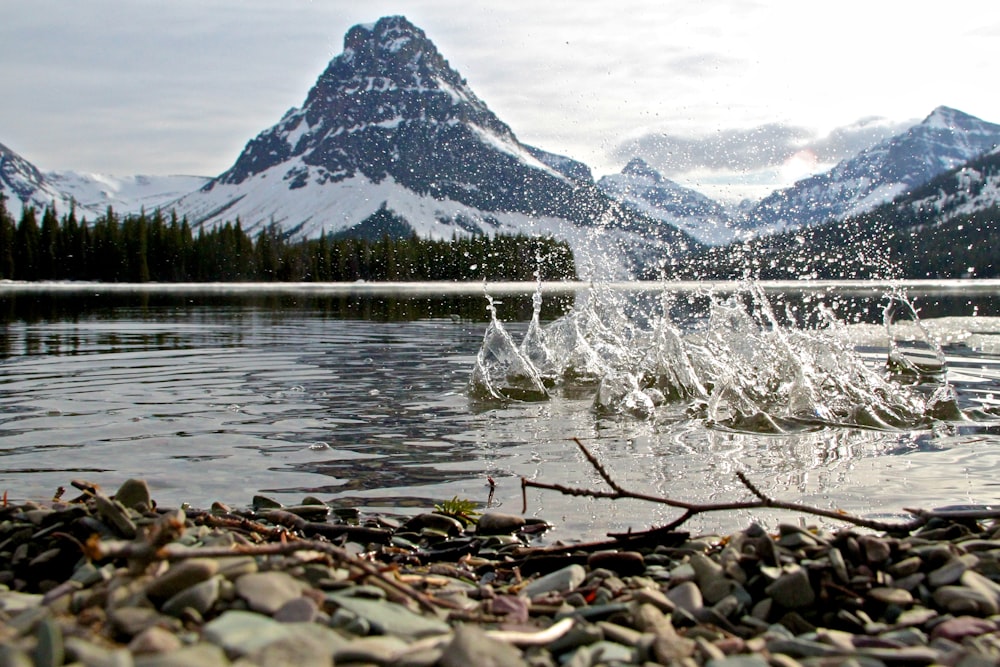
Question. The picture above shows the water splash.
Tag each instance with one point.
(742, 365)
(502, 372)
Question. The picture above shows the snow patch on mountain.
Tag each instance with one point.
(643, 189)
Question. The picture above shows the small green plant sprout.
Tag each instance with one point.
(462, 509)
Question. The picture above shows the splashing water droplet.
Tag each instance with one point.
(740, 367)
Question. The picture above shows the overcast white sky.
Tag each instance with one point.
(733, 97)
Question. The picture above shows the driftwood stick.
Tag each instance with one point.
(762, 501)
(97, 549)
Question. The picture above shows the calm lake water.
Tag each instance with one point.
(360, 395)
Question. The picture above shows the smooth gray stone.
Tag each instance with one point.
(266, 592)
(90, 655)
(50, 650)
(181, 576)
(14, 657)
(378, 649)
(560, 581)
(472, 646)
(390, 618)
(792, 589)
(687, 596)
(297, 610)
(198, 655)
(496, 523)
(134, 494)
(240, 632)
(200, 597)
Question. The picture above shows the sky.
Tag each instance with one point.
(731, 97)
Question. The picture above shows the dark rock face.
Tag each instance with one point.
(391, 107)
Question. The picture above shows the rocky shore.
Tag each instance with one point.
(112, 579)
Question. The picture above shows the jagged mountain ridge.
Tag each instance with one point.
(644, 189)
(23, 184)
(390, 126)
(946, 139)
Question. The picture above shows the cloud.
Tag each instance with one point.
(736, 149)
(756, 148)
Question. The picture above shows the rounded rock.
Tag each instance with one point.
(267, 592)
(496, 523)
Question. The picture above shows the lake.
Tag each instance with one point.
(360, 394)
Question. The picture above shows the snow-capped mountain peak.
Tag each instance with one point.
(945, 139)
(643, 189)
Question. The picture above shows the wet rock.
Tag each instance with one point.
(687, 597)
(962, 600)
(200, 597)
(115, 515)
(198, 655)
(655, 597)
(91, 655)
(471, 646)
(896, 596)
(390, 618)
(50, 651)
(154, 639)
(435, 521)
(297, 610)
(11, 656)
(956, 629)
(495, 523)
(180, 576)
(134, 494)
(130, 621)
(906, 567)
(379, 650)
(792, 589)
(266, 592)
(876, 549)
(624, 563)
(950, 572)
(738, 661)
(560, 581)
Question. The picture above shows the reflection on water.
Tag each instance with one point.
(362, 398)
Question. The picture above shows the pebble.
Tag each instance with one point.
(560, 581)
(180, 576)
(792, 589)
(134, 494)
(199, 598)
(496, 523)
(471, 646)
(266, 592)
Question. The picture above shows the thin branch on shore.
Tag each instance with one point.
(763, 501)
(140, 550)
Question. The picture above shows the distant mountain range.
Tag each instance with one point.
(391, 128)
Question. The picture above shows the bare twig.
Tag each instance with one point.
(97, 549)
(762, 502)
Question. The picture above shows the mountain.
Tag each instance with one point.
(946, 139)
(390, 128)
(967, 190)
(947, 228)
(25, 185)
(644, 189)
(93, 193)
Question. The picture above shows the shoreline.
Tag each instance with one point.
(110, 579)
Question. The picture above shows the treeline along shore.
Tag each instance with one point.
(159, 247)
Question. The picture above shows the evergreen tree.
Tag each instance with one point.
(7, 236)
(27, 240)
